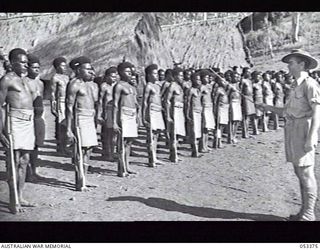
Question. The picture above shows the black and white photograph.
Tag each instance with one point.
(159, 116)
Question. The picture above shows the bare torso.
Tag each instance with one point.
(206, 94)
(155, 93)
(19, 94)
(60, 83)
(128, 95)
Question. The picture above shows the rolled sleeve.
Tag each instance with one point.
(313, 92)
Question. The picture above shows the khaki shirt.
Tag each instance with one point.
(302, 97)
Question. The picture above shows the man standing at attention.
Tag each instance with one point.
(152, 112)
(248, 108)
(20, 122)
(175, 112)
(125, 116)
(105, 108)
(302, 113)
(36, 87)
(59, 83)
(208, 120)
(82, 94)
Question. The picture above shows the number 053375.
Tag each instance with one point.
(308, 246)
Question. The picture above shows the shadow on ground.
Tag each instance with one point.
(56, 165)
(204, 212)
(52, 182)
(4, 207)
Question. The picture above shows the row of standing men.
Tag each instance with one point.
(192, 104)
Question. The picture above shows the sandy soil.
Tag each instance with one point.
(247, 182)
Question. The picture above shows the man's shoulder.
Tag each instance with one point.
(311, 83)
(75, 82)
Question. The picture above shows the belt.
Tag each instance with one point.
(20, 114)
(129, 111)
(197, 110)
(207, 105)
(85, 112)
(178, 105)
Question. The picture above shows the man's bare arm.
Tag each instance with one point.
(146, 96)
(4, 85)
(71, 99)
(101, 105)
(116, 98)
(277, 110)
(189, 99)
(53, 90)
(168, 104)
(313, 132)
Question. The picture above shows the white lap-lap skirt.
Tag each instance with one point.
(235, 111)
(156, 117)
(129, 124)
(197, 116)
(22, 128)
(269, 101)
(179, 121)
(208, 118)
(223, 113)
(87, 127)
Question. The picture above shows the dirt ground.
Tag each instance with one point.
(249, 181)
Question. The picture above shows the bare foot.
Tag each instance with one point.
(158, 162)
(204, 151)
(124, 174)
(16, 209)
(25, 203)
(131, 172)
(82, 189)
(91, 185)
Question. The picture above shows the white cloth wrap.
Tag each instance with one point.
(22, 128)
(129, 124)
(87, 127)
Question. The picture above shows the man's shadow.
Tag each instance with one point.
(4, 207)
(52, 182)
(204, 212)
(56, 165)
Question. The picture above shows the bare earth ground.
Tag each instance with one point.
(247, 182)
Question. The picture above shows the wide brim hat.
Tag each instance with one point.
(312, 62)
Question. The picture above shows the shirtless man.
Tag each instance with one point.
(125, 116)
(161, 75)
(82, 94)
(152, 115)
(164, 92)
(194, 112)
(258, 99)
(235, 107)
(59, 83)
(175, 112)
(248, 108)
(221, 105)
(186, 86)
(36, 87)
(20, 122)
(278, 97)
(267, 99)
(208, 120)
(105, 108)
